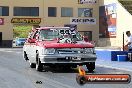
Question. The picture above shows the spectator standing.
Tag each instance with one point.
(129, 40)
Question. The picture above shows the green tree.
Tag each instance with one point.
(21, 31)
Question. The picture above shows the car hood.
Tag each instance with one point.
(55, 44)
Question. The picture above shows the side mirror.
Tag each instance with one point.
(31, 40)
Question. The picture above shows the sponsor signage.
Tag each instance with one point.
(82, 21)
(107, 21)
(87, 1)
(26, 20)
(1, 21)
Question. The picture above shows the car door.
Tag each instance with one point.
(27, 45)
(32, 48)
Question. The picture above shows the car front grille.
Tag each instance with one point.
(70, 51)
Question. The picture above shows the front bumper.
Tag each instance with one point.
(68, 58)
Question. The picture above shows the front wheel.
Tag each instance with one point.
(25, 56)
(81, 80)
(90, 66)
(39, 66)
(32, 65)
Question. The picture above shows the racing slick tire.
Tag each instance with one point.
(32, 65)
(81, 80)
(39, 66)
(90, 66)
(25, 56)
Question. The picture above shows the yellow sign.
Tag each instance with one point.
(26, 20)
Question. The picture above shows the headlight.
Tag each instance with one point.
(89, 50)
(48, 51)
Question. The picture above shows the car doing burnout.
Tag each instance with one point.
(58, 46)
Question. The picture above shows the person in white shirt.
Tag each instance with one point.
(129, 41)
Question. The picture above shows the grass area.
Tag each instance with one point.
(21, 31)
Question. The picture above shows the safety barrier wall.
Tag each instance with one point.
(110, 55)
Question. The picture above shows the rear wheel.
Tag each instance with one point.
(39, 66)
(90, 66)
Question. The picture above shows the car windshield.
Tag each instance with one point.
(48, 34)
(51, 34)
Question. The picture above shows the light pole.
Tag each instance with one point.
(123, 41)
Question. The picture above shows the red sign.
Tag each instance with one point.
(1, 21)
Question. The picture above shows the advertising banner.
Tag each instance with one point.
(82, 21)
(107, 21)
(26, 20)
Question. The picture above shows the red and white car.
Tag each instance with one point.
(58, 46)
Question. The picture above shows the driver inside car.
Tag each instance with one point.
(66, 39)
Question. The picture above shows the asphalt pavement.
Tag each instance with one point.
(16, 73)
(121, 65)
